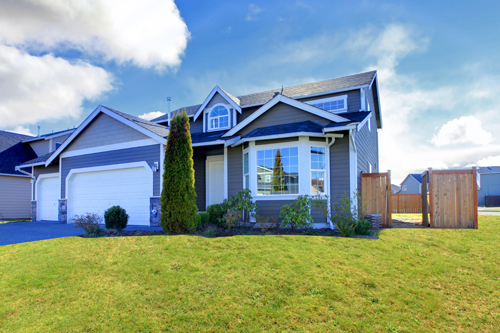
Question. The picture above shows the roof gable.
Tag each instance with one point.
(286, 100)
(152, 130)
(9, 139)
(235, 102)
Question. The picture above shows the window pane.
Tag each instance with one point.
(294, 151)
(317, 181)
(247, 178)
(245, 163)
(318, 158)
(277, 171)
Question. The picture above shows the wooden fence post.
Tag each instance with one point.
(431, 199)
(474, 195)
(389, 199)
(425, 218)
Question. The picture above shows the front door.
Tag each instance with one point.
(215, 179)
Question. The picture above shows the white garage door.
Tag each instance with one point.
(47, 198)
(97, 191)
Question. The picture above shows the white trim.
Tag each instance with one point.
(43, 176)
(232, 141)
(329, 99)
(226, 174)
(280, 98)
(216, 89)
(362, 94)
(373, 80)
(325, 170)
(340, 128)
(91, 117)
(10, 175)
(353, 169)
(116, 146)
(207, 114)
(28, 165)
(362, 123)
(109, 168)
(208, 143)
(278, 136)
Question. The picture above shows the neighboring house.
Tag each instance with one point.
(306, 139)
(489, 183)
(15, 188)
(395, 189)
(412, 184)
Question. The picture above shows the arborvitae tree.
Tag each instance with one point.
(178, 196)
(278, 174)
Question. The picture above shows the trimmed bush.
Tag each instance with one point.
(178, 197)
(116, 218)
(89, 222)
(297, 215)
(216, 212)
(203, 218)
(363, 227)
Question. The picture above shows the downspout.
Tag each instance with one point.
(25, 172)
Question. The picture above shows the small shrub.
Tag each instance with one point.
(87, 222)
(203, 218)
(297, 215)
(243, 203)
(116, 218)
(363, 227)
(95, 231)
(268, 222)
(210, 231)
(232, 218)
(216, 212)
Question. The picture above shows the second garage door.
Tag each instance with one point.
(96, 191)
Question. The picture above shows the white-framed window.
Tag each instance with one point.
(335, 104)
(318, 169)
(218, 118)
(246, 171)
(278, 171)
(404, 188)
(369, 167)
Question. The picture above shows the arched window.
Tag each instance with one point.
(219, 118)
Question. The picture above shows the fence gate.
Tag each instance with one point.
(376, 195)
(452, 198)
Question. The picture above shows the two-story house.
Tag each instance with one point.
(313, 138)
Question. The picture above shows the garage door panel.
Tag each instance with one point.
(97, 191)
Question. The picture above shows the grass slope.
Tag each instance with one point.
(409, 280)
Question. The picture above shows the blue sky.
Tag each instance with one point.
(437, 61)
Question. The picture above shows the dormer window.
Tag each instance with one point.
(335, 104)
(218, 118)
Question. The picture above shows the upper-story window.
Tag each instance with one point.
(218, 118)
(332, 104)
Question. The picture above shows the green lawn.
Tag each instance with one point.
(410, 280)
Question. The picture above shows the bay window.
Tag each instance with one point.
(278, 171)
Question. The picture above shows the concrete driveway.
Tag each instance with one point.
(22, 232)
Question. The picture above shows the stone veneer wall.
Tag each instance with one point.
(33, 211)
(154, 204)
(63, 211)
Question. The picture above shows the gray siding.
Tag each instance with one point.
(216, 99)
(367, 148)
(199, 180)
(15, 194)
(235, 169)
(280, 114)
(339, 168)
(41, 147)
(150, 154)
(245, 113)
(353, 99)
(197, 126)
(412, 186)
(102, 131)
(268, 208)
(59, 139)
(41, 170)
(490, 185)
(268, 142)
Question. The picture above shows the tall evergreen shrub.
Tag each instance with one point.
(178, 196)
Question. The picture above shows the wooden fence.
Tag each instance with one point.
(406, 203)
(452, 198)
(376, 195)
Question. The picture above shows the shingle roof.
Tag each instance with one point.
(303, 126)
(292, 92)
(487, 170)
(43, 136)
(206, 137)
(39, 159)
(354, 117)
(13, 156)
(8, 139)
(418, 177)
(150, 126)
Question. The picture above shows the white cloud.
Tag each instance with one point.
(253, 10)
(33, 89)
(462, 130)
(22, 130)
(148, 34)
(488, 161)
(151, 115)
